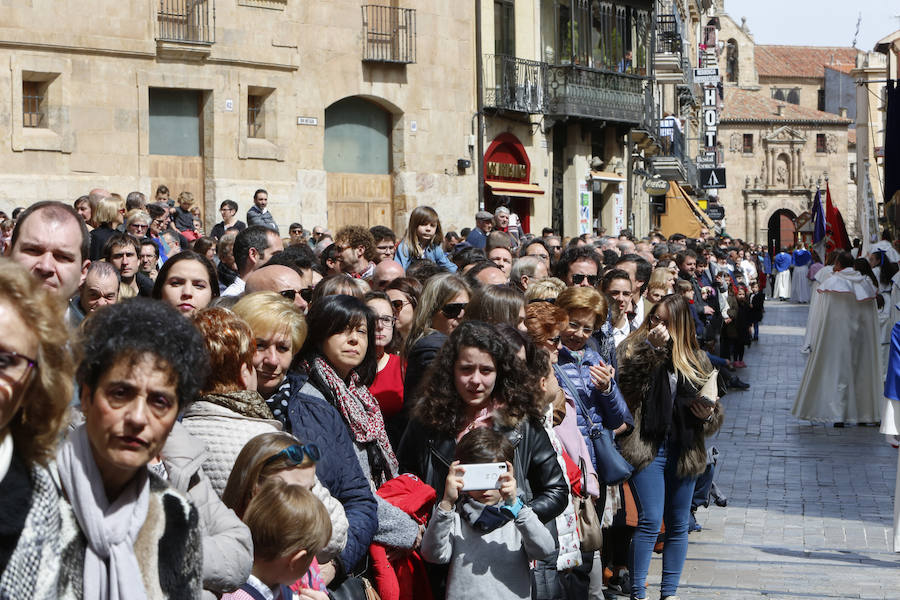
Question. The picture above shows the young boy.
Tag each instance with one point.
(289, 526)
(487, 536)
(757, 308)
(184, 220)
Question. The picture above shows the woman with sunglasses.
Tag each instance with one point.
(36, 372)
(440, 311)
(661, 370)
(404, 294)
(280, 330)
(497, 304)
(281, 455)
(387, 387)
(338, 362)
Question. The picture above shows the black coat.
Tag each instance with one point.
(428, 453)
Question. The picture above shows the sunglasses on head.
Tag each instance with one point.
(578, 278)
(452, 311)
(295, 454)
(550, 300)
(305, 293)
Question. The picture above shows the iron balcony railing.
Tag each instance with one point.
(516, 84)
(668, 34)
(389, 34)
(671, 138)
(189, 21)
(577, 91)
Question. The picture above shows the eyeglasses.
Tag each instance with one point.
(386, 320)
(138, 226)
(305, 293)
(574, 327)
(556, 248)
(550, 300)
(577, 278)
(453, 310)
(541, 255)
(295, 453)
(15, 365)
(554, 341)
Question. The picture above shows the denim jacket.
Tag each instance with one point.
(434, 253)
(606, 409)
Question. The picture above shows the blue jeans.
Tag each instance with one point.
(717, 361)
(755, 330)
(660, 494)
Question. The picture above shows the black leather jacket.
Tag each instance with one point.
(428, 453)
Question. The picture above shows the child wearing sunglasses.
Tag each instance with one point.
(280, 456)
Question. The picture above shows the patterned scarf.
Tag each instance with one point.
(360, 410)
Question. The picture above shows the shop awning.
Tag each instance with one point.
(508, 188)
(607, 176)
(682, 214)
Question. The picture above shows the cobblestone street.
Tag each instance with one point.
(809, 506)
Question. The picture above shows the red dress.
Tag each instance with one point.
(388, 387)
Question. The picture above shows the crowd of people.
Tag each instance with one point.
(242, 415)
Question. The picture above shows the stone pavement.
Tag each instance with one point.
(810, 507)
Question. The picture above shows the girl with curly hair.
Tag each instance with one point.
(477, 381)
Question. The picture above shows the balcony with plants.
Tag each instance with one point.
(598, 56)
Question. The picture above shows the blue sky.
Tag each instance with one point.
(822, 23)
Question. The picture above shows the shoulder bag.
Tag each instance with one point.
(590, 528)
(612, 468)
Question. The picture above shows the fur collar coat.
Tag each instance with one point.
(637, 372)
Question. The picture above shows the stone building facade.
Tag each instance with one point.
(332, 107)
(778, 144)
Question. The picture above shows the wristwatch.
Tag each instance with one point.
(513, 509)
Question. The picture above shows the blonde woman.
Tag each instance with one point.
(423, 239)
(661, 370)
(546, 289)
(110, 213)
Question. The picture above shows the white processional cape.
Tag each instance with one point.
(814, 314)
(841, 382)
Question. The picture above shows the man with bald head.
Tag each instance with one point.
(279, 278)
(385, 272)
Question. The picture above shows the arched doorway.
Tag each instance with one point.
(782, 230)
(357, 160)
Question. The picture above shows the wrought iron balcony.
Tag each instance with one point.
(577, 91)
(668, 34)
(187, 21)
(670, 158)
(515, 84)
(389, 34)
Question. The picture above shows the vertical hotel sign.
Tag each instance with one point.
(709, 78)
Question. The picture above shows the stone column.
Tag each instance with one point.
(747, 213)
(756, 221)
(792, 180)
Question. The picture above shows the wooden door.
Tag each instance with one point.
(179, 174)
(359, 199)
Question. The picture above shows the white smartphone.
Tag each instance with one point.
(482, 476)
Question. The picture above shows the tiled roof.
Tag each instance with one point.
(802, 61)
(743, 106)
